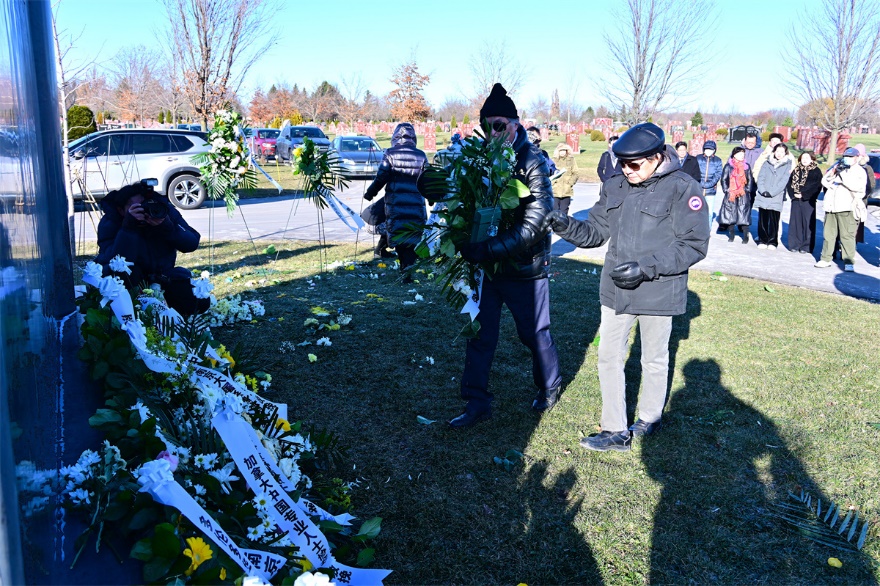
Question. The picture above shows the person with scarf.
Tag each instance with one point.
(772, 181)
(736, 207)
(803, 188)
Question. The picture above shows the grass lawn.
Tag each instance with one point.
(771, 391)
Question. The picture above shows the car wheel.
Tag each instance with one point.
(187, 192)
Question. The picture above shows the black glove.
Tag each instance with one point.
(555, 220)
(628, 275)
(475, 252)
(369, 197)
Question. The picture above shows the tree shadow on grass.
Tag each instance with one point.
(723, 465)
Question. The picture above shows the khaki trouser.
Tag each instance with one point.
(841, 225)
(613, 338)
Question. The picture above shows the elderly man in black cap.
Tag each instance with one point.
(521, 283)
(654, 218)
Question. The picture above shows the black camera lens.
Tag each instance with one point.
(155, 209)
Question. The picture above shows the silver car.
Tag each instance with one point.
(359, 156)
(103, 161)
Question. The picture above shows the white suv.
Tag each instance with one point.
(103, 161)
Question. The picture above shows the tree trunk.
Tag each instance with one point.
(832, 145)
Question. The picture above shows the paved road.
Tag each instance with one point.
(267, 219)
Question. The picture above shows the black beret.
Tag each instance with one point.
(498, 104)
(642, 140)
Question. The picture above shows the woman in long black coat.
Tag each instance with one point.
(736, 184)
(804, 186)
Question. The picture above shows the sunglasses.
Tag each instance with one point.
(499, 126)
(633, 165)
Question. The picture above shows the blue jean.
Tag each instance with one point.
(529, 303)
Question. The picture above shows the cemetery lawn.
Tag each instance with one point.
(587, 160)
(773, 390)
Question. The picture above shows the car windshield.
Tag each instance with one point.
(79, 142)
(349, 145)
(306, 131)
(272, 133)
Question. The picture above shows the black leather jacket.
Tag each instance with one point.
(523, 249)
(398, 173)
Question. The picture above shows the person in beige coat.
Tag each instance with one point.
(844, 186)
(563, 186)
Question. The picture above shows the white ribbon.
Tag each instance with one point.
(472, 305)
(287, 514)
(253, 562)
(352, 218)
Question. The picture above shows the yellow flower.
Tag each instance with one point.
(198, 551)
(382, 265)
(835, 563)
(222, 573)
(297, 152)
(349, 267)
(306, 564)
(313, 358)
(282, 424)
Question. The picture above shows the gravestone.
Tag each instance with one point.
(545, 134)
(574, 141)
(697, 142)
(677, 136)
(785, 131)
(361, 127)
(430, 143)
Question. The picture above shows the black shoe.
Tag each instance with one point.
(545, 400)
(469, 418)
(618, 441)
(730, 232)
(640, 428)
(745, 237)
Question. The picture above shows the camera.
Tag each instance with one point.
(154, 205)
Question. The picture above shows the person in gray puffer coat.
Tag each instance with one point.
(404, 206)
(772, 183)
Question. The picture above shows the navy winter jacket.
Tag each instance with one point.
(398, 173)
(710, 172)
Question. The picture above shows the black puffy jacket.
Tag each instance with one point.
(152, 249)
(660, 223)
(524, 249)
(398, 172)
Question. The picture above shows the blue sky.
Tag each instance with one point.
(559, 43)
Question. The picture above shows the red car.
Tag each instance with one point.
(263, 143)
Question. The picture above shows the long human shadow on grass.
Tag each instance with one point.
(722, 464)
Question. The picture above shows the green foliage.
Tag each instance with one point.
(821, 525)
(621, 129)
(697, 119)
(596, 135)
(794, 135)
(453, 123)
(466, 119)
(295, 118)
(80, 122)
(788, 122)
(320, 170)
(765, 136)
(722, 132)
(161, 117)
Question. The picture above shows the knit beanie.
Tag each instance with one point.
(498, 104)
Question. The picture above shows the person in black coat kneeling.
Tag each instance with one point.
(142, 226)
(655, 220)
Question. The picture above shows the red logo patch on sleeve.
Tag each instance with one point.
(695, 203)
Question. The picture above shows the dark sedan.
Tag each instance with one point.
(292, 136)
(359, 156)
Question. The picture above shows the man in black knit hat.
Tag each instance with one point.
(524, 254)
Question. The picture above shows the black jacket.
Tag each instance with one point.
(152, 249)
(398, 172)
(691, 167)
(738, 212)
(811, 189)
(608, 167)
(661, 223)
(524, 249)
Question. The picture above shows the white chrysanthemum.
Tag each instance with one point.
(202, 288)
(110, 288)
(93, 270)
(118, 264)
(310, 579)
(290, 469)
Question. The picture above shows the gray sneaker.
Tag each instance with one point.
(641, 428)
(618, 441)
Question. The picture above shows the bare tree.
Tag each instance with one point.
(836, 53)
(137, 87)
(654, 54)
(539, 109)
(216, 42)
(491, 64)
(351, 106)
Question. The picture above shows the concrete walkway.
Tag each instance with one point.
(267, 219)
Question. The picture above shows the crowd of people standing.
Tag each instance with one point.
(763, 178)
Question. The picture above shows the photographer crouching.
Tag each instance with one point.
(146, 230)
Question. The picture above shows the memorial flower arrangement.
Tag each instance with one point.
(479, 194)
(207, 480)
(226, 167)
(320, 172)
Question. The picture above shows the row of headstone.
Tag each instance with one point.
(816, 140)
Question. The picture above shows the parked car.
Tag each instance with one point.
(292, 136)
(109, 159)
(359, 156)
(194, 127)
(263, 142)
(874, 162)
